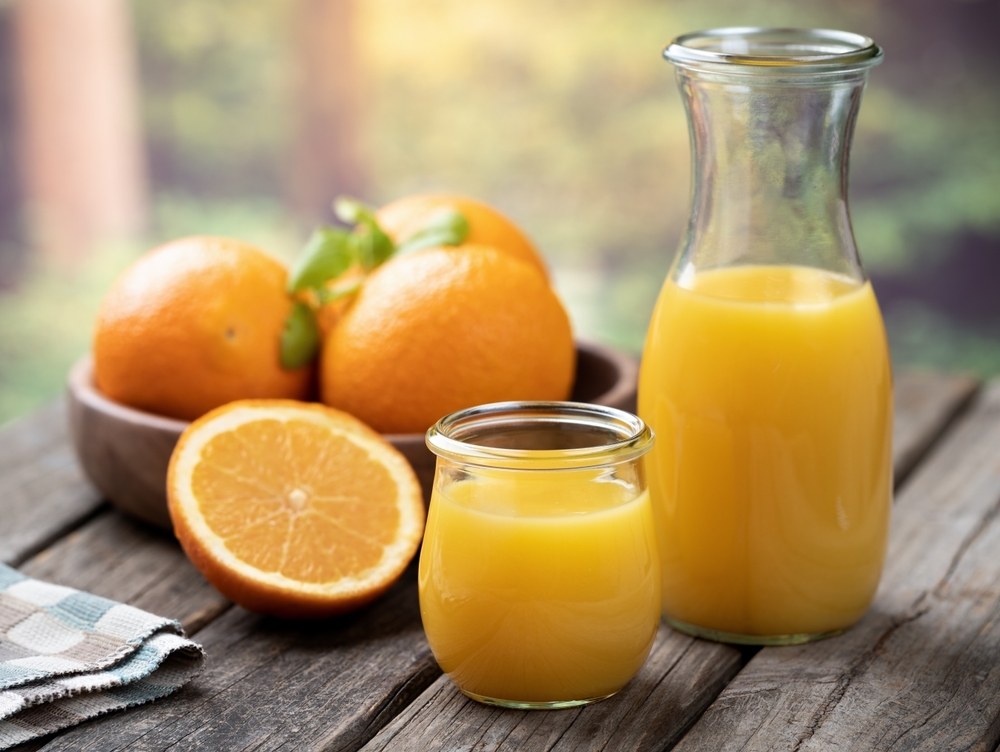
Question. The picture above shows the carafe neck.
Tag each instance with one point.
(770, 152)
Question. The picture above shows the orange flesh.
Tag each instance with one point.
(320, 510)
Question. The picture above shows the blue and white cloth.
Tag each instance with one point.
(66, 656)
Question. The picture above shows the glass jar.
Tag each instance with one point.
(539, 576)
(765, 373)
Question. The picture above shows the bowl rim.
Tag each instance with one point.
(80, 382)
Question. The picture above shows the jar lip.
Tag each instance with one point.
(454, 436)
(786, 48)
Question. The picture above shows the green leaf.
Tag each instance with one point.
(326, 256)
(338, 291)
(351, 211)
(370, 245)
(300, 338)
(444, 227)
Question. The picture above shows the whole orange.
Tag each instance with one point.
(487, 226)
(192, 325)
(444, 329)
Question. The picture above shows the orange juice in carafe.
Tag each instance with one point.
(769, 388)
(765, 373)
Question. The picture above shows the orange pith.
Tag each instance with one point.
(293, 509)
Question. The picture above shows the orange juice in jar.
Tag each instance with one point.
(766, 374)
(539, 578)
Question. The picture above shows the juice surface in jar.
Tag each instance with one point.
(540, 586)
(769, 390)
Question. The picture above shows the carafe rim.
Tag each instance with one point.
(789, 49)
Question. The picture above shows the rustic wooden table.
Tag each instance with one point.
(922, 669)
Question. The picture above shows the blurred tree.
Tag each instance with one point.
(217, 104)
(12, 250)
(80, 148)
(325, 159)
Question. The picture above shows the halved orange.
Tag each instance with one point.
(293, 509)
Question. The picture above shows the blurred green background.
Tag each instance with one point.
(244, 119)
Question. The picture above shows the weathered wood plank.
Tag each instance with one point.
(638, 718)
(652, 712)
(125, 560)
(922, 669)
(926, 404)
(42, 492)
(273, 685)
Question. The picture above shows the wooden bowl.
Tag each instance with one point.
(125, 451)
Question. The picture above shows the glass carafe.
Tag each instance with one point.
(765, 374)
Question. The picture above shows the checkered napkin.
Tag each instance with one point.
(66, 656)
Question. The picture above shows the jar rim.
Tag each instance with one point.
(785, 48)
(454, 436)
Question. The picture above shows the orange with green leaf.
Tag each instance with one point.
(416, 320)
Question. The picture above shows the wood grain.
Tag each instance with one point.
(272, 685)
(681, 676)
(42, 491)
(926, 404)
(922, 669)
(118, 558)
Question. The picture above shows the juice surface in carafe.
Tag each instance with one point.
(541, 588)
(769, 390)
